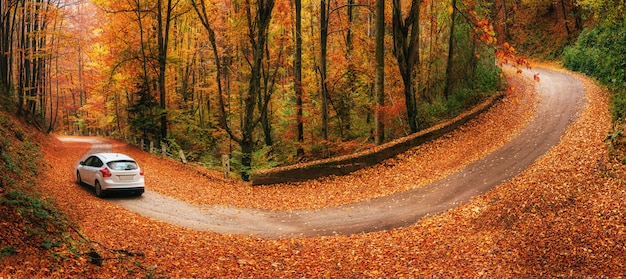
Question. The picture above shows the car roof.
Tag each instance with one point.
(109, 156)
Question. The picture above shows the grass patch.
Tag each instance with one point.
(7, 251)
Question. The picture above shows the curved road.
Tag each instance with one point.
(560, 95)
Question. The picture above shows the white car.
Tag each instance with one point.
(108, 172)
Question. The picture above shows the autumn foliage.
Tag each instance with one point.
(561, 217)
(108, 68)
(216, 77)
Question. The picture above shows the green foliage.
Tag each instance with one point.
(7, 251)
(31, 207)
(144, 115)
(475, 77)
(199, 142)
(601, 52)
(605, 10)
(614, 137)
(8, 162)
(618, 101)
(50, 243)
(18, 155)
(42, 223)
(441, 109)
(262, 158)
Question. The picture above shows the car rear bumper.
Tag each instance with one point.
(112, 185)
(125, 187)
(133, 190)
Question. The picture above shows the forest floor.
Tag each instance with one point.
(559, 93)
(561, 217)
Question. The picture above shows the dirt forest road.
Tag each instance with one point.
(560, 97)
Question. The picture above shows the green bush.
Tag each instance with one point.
(601, 53)
(471, 89)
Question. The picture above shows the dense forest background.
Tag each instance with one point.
(279, 82)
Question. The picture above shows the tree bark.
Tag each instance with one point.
(297, 68)
(505, 20)
(258, 38)
(380, 72)
(324, 14)
(258, 25)
(448, 87)
(406, 50)
(163, 40)
(345, 99)
(8, 14)
(565, 17)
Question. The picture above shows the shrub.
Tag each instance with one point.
(601, 53)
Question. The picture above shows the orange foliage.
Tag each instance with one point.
(559, 218)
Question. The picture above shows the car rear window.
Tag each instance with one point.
(122, 165)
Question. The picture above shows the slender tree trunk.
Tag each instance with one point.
(565, 17)
(7, 18)
(297, 68)
(163, 40)
(578, 15)
(324, 13)
(267, 86)
(345, 100)
(267, 128)
(200, 8)
(82, 93)
(505, 20)
(380, 72)
(144, 56)
(449, 75)
(428, 88)
(55, 111)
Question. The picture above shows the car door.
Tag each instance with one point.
(87, 170)
(96, 165)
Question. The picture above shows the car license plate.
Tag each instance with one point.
(126, 177)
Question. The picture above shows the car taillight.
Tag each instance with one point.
(105, 172)
(141, 172)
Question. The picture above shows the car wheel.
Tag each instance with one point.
(138, 193)
(79, 180)
(99, 192)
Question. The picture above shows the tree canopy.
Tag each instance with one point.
(269, 82)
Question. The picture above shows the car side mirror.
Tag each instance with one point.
(82, 163)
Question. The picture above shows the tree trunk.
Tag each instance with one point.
(268, 86)
(163, 40)
(144, 56)
(505, 20)
(258, 34)
(578, 15)
(345, 100)
(8, 13)
(380, 72)
(247, 148)
(406, 50)
(297, 68)
(324, 13)
(448, 87)
(21, 60)
(565, 17)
